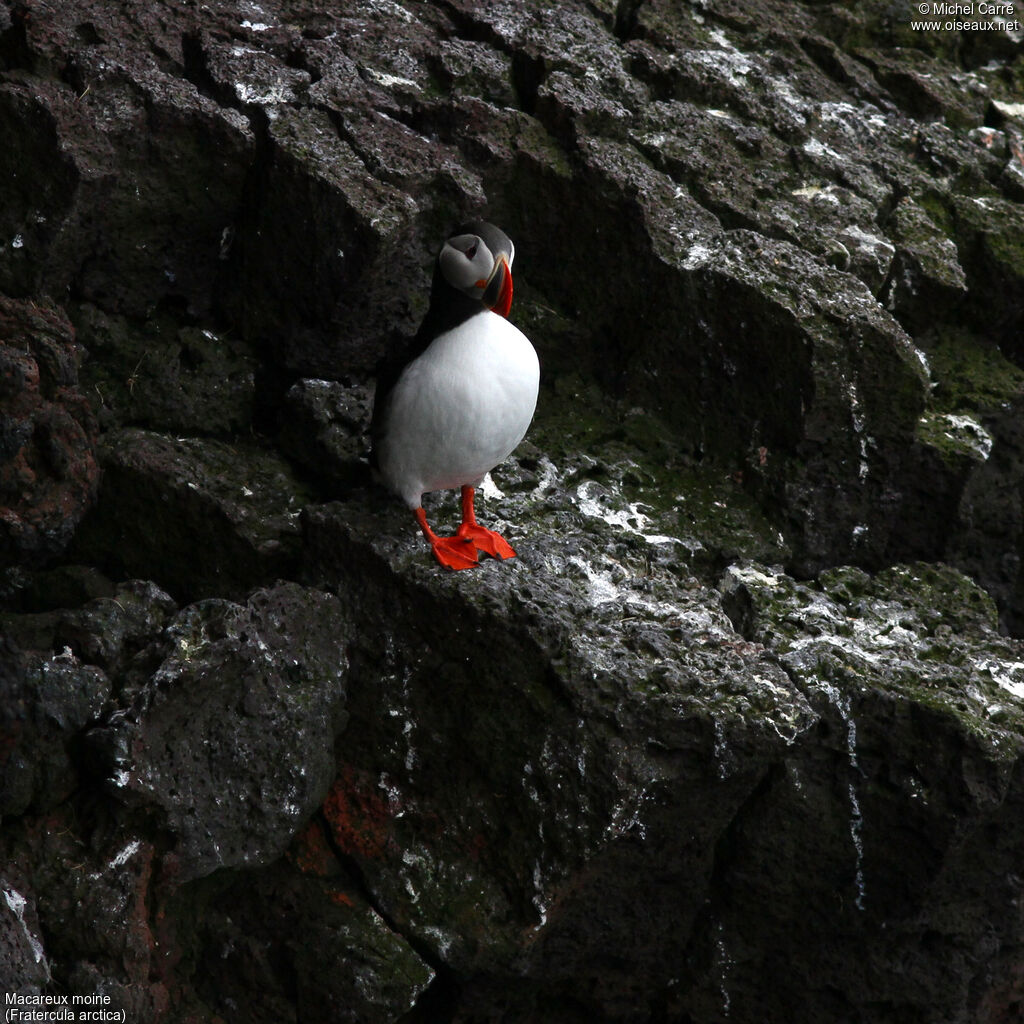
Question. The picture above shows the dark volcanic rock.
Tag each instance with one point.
(312, 933)
(23, 967)
(529, 850)
(616, 829)
(201, 516)
(191, 740)
(231, 736)
(110, 631)
(325, 430)
(164, 376)
(95, 891)
(732, 738)
(126, 179)
(48, 467)
(47, 702)
(865, 645)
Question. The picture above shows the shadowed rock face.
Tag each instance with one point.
(49, 472)
(737, 736)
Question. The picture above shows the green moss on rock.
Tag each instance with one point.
(921, 633)
(971, 373)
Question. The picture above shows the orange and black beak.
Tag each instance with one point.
(498, 291)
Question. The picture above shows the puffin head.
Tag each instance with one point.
(477, 261)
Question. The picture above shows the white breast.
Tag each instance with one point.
(460, 408)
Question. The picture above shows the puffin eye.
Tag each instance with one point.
(464, 260)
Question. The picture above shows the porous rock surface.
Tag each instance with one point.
(737, 736)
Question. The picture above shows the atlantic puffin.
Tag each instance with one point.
(459, 400)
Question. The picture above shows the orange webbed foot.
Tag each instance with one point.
(460, 551)
(487, 541)
(454, 552)
(451, 552)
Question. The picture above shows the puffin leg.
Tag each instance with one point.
(487, 541)
(452, 552)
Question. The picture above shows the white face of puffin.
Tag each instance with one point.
(469, 265)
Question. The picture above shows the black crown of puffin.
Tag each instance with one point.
(462, 396)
